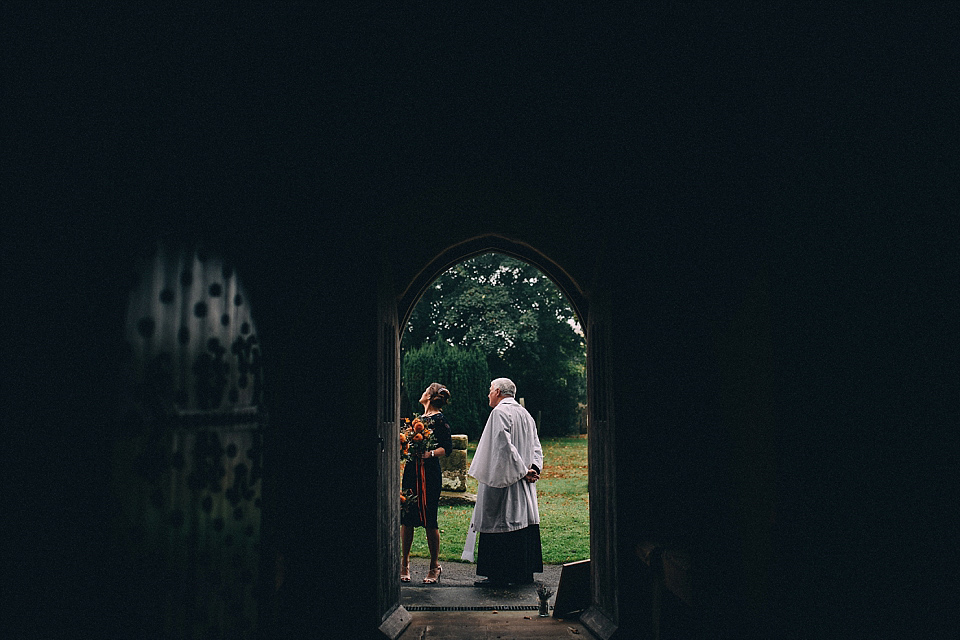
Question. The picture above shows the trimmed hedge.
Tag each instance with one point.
(463, 371)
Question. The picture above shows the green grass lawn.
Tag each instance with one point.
(562, 496)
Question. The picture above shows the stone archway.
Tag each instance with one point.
(395, 310)
(484, 244)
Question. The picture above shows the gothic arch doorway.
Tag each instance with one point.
(394, 309)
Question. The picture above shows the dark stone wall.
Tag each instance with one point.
(768, 229)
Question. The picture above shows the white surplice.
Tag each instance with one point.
(508, 448)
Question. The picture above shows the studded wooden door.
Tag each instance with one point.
(188, 461)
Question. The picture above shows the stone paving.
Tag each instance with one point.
(456, 609)
(456, 588)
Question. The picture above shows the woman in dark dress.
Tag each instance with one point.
(433, 399)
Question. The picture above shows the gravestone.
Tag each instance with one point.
(454, 467)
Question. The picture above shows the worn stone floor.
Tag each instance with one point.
(455, 608)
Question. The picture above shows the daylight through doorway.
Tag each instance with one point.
(493, 315)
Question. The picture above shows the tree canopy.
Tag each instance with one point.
(514, 315)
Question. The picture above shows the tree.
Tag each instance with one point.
(463, 371)
(520, 320)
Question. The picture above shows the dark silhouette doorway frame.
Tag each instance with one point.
(601, 618)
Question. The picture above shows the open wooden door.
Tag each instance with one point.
(394, 618)
(187, 465)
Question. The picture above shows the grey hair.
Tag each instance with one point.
(505, 386)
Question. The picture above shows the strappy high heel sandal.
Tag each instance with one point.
(405, 574)
(429, 580)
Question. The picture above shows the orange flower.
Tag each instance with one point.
(416, 436)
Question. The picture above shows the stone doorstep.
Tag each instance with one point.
(454, 498)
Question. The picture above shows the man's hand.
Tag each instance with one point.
(532, 476)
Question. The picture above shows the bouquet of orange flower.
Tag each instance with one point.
(416, 437)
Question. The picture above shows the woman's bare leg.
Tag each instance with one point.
(406, 541)
(433, 543)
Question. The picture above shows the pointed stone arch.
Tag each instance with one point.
(602, 616)
(486, 244)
